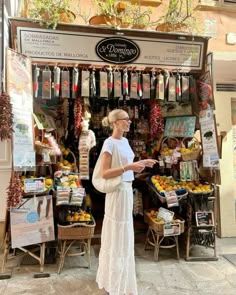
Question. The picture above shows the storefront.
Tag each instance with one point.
(73, 76)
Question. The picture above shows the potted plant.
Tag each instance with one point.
(138, 17)
(178, 16)
(108, 13)
(51, 12)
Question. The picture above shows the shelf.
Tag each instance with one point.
(153, 3)
(214, 6)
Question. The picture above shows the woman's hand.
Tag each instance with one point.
(149, 162)
(135, 166)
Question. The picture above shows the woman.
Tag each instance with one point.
(116, 271)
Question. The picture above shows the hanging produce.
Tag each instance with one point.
(156, 121)
(77, 116)
(6, 117)
(57, 80)
(36, 74)
(75, 83)
(14, 192)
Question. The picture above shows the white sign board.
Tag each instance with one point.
(49, 45)
(33, 223)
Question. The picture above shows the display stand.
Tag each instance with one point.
(5, 245)
(77, 233)
(202, 233)
(24, 251)
(155, 239)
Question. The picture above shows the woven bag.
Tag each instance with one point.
(111, 184)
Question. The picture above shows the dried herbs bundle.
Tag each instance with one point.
(6, 117)
(14, 192)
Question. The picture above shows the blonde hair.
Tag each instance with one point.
(111, 118)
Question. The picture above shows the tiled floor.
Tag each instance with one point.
(168, 276)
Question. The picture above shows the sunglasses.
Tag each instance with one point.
(126, 119)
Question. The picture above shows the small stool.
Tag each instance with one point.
(69, 235)
(64, 247)
(155, 239)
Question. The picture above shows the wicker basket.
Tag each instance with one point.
(76, 231)
(182, 194)
(68, 168)
(159, 227)
(175, 143)
(195, 153)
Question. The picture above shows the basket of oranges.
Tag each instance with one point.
(77, 229)
(161, 184)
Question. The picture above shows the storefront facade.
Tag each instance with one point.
(226, 198)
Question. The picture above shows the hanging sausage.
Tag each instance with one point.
(65, 83)
(46, 81)
(36, 73)
(75, 82)
(56, 81)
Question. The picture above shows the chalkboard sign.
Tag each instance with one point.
(204, 218)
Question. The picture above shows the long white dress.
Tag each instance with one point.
(116, 271)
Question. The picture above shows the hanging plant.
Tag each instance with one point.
(6, 117)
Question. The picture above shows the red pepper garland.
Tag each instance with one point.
(156, 121)
(6, 117)
(14, 193)
(77, 116)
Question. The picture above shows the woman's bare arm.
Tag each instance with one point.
(108, 172)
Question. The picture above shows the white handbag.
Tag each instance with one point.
(111, 184)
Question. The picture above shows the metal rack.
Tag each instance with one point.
(202, 235)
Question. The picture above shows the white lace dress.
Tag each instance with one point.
(116, 271)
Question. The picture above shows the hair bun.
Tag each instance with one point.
(105, 122)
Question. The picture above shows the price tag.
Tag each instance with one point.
(204, 218)
(165, 214)
(171, 229)
(161, 163)
(34, 185)
(171, 199)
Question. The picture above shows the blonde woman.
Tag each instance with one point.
(116, 270)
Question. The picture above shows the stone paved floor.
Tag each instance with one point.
(168, 276)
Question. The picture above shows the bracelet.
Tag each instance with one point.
(123, 168)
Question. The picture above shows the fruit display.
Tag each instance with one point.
(48, 182)
(165, 183)
(67, 161)
(67, 179)
(190, 149)
(78, 216)
(166, 151)
(154, 219)
(153, 215)
(169, 145)
(187, 150)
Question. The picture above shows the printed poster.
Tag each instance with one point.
(183, 126)
(19, 81)
(209, 139)
(23, 145)
(35, 220)
(19, 88)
